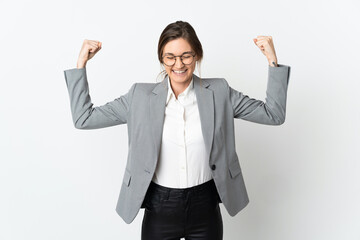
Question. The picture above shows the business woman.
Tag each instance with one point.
(182, 160)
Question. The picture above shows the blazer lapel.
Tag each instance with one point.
(157, 103)
(205, 101)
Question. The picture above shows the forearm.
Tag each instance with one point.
(81, 63)
(84, 114)
(270, 112)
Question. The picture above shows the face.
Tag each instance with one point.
(177, 47)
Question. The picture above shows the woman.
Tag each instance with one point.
(182, 161)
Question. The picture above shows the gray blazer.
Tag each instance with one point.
(143, 108)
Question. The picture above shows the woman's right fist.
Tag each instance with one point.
(88, 50)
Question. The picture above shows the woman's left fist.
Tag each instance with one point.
(266, 45)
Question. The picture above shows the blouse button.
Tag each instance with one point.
(213, 167)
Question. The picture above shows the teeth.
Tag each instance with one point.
(179, 71)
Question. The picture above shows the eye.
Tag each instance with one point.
(185, 56)
(170, 58)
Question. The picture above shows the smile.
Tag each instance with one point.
(179, 73)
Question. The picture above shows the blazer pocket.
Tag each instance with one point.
(127, 177)
(234, 168)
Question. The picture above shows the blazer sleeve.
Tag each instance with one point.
(273, 111)
(84, 114)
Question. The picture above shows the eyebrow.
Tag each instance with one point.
(181, 54)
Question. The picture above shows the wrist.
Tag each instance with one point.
(81, 64)
(273, 62)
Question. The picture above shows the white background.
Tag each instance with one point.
(58, 182)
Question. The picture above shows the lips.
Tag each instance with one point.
(180, 73)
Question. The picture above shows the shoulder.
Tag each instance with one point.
(142, 89)
(214, 80)
(146, 87)
(216, 83)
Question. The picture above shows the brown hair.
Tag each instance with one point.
(175, 30)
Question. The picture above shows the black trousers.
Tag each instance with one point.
(190, 213)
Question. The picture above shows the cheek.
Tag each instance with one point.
(192, 67)
(168, 70)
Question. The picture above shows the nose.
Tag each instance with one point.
(178, 63)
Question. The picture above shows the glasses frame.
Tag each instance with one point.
(181, 59)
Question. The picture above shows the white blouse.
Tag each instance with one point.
(182, 162)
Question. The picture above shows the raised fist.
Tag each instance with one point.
(88, 50)
(266, 45)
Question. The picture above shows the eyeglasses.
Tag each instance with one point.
(186, 59)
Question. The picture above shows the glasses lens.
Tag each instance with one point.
(169, 60)
(187, 58)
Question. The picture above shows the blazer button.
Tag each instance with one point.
(213, 167)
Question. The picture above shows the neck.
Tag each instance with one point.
(179, 87)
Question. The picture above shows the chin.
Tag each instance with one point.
(173, 76)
